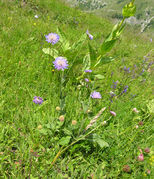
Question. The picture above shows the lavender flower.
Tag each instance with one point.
(114, 85)
(125, 89)
(89, 35)
(88, 71)
(112, 113)
(127, 69)
(86, 79)
(95, 95)
(52, 38)
(60, 63)
(38, 100)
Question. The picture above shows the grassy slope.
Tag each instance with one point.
(26, 72)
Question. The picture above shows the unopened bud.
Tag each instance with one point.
(61, 118)
(126, 168)
(74, 122)
(58, 108)
(140, 158)
(140, 123)
(112, 113)
(147, 150)
(136, 126)
(39, 127)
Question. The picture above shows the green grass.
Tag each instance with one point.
(30, 134)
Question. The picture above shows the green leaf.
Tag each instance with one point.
(64, 140)
(86, 62)
(99, 77)
(92, 52)
(105, 60)
(129, 10)
(50, 51)
(63, 39)
(67, 132)
(99, 141)
(111, 39)
(77, 45)
(107, 46)
(102, 143)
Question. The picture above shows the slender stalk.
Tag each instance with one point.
(122, 21)
(61, 85)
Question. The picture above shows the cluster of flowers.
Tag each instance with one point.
(61, 63)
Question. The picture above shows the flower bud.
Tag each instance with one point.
(140, 157)
(74, 122)
(136, 126)
(126, 168)
(61, 118)
(140, 123)
(112, 113)
(58, 108)
(147, 150)
(39, 127)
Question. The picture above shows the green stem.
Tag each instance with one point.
(122, 21)
(61, 84)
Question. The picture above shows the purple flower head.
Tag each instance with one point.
(112, 113)
(52, 38)
(127, 69)
(60, 63)
(95, 95)
(86, 79)
(151, 40)
(125, 89)
(38, 100)
(114, 85)
(88, 71)
(89, 35)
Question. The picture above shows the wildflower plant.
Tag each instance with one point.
(64, 62)
(84, 115)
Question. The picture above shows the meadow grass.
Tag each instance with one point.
(31, 135)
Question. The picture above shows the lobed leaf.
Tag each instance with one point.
(64, 140)
(50, 51)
